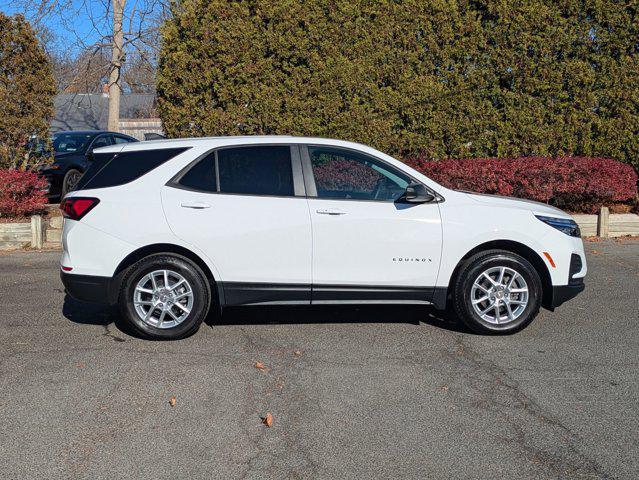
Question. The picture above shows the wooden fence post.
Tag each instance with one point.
(603, 223)
(37, 231)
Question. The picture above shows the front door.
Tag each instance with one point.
(366, 245)
(242, 208)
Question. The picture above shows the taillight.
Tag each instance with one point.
(77, 207)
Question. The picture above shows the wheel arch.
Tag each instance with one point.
(511, 246)
(73, 166)
(168, 248)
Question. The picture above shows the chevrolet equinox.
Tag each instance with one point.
(171, 229)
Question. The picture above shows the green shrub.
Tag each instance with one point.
(436, 78)
(27, 88)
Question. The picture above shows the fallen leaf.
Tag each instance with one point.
(268, 420)
(297, 353)
(79, 365)
(172, 401)
(594, 252)
(260, 366)
(443, 388)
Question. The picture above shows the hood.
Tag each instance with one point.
(517, 203)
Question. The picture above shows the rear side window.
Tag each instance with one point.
(111, 170)
(263, 170)
(201, 176)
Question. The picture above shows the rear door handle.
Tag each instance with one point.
(331, 211)
(195, 205)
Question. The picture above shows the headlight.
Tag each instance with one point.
(564, 225)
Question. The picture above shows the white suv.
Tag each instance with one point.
(172, 228)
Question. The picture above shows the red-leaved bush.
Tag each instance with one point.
(576, 184)
(21, 193)
(343, 173)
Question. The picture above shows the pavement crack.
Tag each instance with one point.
(546, 441)
(278, 451)
(110, 334)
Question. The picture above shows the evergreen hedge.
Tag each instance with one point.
(435, 78)
(27, 88)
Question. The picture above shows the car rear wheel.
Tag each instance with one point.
(164, 297)
(71, 179)
(496, 292)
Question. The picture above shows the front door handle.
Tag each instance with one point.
(331, 211)
(195, 205)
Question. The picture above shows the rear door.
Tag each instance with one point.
(367, 246)
(245, 207)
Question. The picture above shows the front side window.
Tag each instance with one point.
(347, 175)
(260, 170)
(103, 141)
(117, 139)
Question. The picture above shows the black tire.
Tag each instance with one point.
(198, 282)
(482, 262)
(71, 179)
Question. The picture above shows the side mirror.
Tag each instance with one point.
(417, 193)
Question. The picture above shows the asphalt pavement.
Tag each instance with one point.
(354, 392)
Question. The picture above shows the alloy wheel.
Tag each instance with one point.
(163, 298)
(499, 295)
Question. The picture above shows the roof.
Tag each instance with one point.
(90, 111)
(86, 132)
(213, 142)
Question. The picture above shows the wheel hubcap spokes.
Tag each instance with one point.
(163, 299)
(499, 295)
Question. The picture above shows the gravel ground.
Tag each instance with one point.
(374, 392)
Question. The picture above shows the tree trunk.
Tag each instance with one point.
(117, 56)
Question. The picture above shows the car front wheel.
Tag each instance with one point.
(497, 291)
(164, 297)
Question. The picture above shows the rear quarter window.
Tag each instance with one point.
(111, 170)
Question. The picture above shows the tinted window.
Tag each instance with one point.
(264, 170)
(201, 176)
(70, 142)
(119, 139)
(110, 170)
(348, 175)
(102, 141)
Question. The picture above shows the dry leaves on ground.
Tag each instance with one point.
(297, 353)
(260, 366)
(172, 401)
(268, 420)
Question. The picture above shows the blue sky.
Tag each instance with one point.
(72, 27)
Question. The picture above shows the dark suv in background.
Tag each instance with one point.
(73, 153)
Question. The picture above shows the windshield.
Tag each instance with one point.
(70, 142)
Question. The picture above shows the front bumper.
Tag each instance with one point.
(563, 293)
(88, 288)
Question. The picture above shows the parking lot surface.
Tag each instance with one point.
(355, 392)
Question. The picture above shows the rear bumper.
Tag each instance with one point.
(564, 293)
(88, 288)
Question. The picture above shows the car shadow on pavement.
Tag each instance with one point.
(88, 313)
(85, 313)
(310, 314)
(97, 314)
